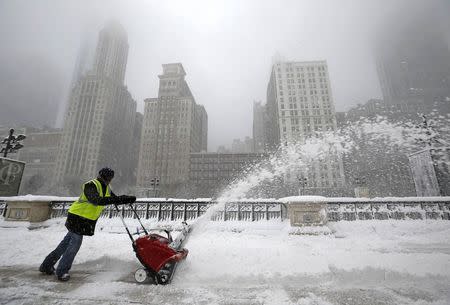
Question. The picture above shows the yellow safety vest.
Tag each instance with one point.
(82, 207)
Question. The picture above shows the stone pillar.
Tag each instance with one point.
(32, 211)
(307, 213)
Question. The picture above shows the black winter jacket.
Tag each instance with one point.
(84, 226)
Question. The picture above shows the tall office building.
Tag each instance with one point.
(112, 52)
(203, 116)
(300, 103)
(85, 57)
(136, 146)
(210, 173)
(99, 121)
(174, 126)
(259, 123)
(83, 63)
(413, 60)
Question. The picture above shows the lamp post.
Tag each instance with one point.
(360, 181)
(12, 143)
(303, 182)
(154, 182)
(361, 189)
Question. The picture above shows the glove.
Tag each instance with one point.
(124, 199)
(131, 199)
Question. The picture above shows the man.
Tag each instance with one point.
(81, 219)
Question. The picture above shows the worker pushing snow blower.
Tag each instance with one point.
(158, 254)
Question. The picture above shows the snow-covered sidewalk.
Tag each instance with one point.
(361, 262)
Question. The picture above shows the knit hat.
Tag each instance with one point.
(106, 173)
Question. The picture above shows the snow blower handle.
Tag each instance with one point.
(137, 216)
(124, 224)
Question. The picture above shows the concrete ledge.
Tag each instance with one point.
(32, 211)
(303, 213)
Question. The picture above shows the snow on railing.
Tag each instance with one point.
(338, 209)
(174, 210)
(388, 210)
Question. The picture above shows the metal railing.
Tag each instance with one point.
(388, 210)
(2, 208)
(187, 210)
(255, 210)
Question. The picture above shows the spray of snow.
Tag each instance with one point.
(405, 137)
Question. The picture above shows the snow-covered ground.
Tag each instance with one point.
(361, 262)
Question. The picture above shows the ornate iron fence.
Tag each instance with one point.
(187, 210)
(2, 207)
(337, 211)
(252, 211)
(381, 209)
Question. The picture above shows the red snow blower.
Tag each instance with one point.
(158, 254)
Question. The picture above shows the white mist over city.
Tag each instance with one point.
(225, 152)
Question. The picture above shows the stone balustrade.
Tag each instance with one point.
(301, 210)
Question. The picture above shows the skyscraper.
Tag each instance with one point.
(135, 147)
(259, 118)
(99, 122)
(300, 103)
(174, 126)
(83, 63)
(112, 52)
(413, 60)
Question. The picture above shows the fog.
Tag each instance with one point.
(226, 47)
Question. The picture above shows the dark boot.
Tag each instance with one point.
(64, 278)
(47, 270)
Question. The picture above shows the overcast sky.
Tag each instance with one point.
(226, 47)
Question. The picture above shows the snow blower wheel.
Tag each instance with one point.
(162, 277)
(140, 275)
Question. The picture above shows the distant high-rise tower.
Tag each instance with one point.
(112, 52)
(83, 63)
(300, 103)
(85, 57)
(99, 122)
(413, 60)
(174, 126)
(302, 94)
(259, 122)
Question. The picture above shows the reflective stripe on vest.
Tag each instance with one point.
(82, 207)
